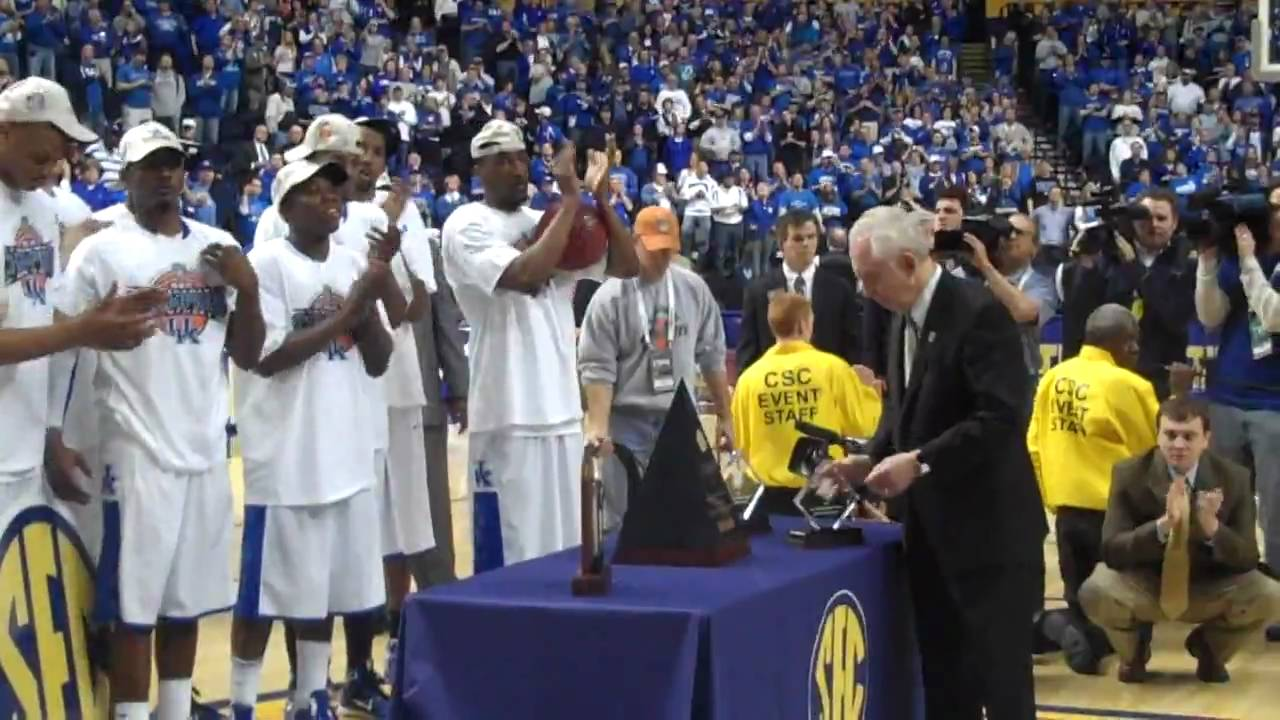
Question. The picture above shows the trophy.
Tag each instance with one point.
(746, 490)
(680, 511)
(818, 503)
(593, 576)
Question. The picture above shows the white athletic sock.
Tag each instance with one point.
(131, 711)
(313, 671)
(175, 699)
(245, 677)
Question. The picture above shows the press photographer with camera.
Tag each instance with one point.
(1028, 295)
(1237, 296)
(1138, 259)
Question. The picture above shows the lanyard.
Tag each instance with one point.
(671, 312)
(1026, 275)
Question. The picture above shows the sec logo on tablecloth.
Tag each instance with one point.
(46, 595)
(838, 666)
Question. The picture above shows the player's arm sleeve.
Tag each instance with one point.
(271, 301)
(81, 286)
(415, 246)
(598, 342)
(270, 226)
(475, 259)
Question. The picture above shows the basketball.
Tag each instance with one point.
(588, 240)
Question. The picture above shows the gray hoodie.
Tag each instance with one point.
(612, 351)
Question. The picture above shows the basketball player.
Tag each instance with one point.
(37, 124)
(526, 415)
(329, 138)
(310, 505)
(365, 230)
(407, 530)
(166, 496)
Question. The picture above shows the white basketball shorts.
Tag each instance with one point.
(402, 488)
(166, 540)
(307, 562)
(527, 496)
(27, 490)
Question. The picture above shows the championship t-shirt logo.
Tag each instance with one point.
(192, 304)
(325, 305)
(29, 261)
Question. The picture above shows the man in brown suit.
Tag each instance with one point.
(1179, 542)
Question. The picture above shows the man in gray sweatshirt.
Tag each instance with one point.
(641, 337)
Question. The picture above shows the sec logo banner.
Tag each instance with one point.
(838, 667)
(46, 595)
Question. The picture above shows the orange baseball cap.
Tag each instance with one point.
(657, 229)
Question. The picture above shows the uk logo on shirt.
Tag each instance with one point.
(29, 261)
(193, 303)
(325, 305)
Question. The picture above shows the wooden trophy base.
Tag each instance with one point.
(593, 584)
(826, 537)
(731, 548)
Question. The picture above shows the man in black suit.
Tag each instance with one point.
(951, 452)
(835, 303)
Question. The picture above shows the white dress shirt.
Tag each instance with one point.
(919, 311)
(807, 274)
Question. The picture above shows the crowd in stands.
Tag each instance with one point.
(729, 112)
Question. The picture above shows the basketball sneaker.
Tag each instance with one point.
(318, 709)
(363, 696)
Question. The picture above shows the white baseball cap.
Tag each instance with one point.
(296, 173)
(497, 136)
(37, 100)
(327, 133)
(144, 139)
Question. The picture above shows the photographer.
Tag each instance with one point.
(1028, 295)
(1153, 276)
(1238, 297)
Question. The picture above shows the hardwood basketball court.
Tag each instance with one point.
(1174, 692)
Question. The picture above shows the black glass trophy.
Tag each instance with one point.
(827, 507)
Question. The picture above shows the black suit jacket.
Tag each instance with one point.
(979, 504)
(835, 317)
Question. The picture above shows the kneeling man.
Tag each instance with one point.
(1179, 542)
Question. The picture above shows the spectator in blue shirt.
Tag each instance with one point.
(46, 36)
(134, 80)
(205, 93)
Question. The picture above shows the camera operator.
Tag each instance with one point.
(1028, 295)
(1239, 298)
(1154, 277)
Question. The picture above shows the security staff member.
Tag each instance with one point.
(1090, 412)
(795, 381)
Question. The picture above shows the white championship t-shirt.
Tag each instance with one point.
(524, 376)
(358, 218)
(29, 266)
(403, 379)
(306, 434)
(168, 395)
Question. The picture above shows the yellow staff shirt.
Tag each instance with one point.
(795, 381)
(1089, 414)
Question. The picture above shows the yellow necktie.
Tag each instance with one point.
(1175, 575)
